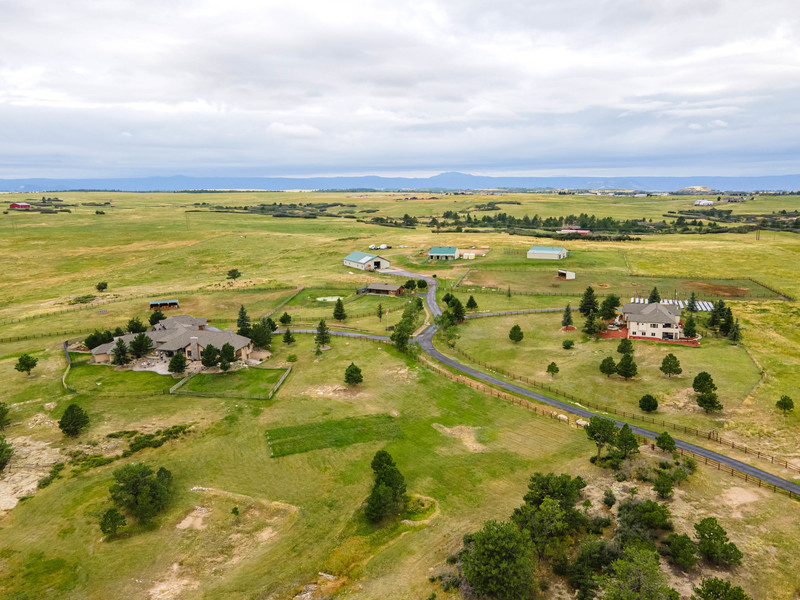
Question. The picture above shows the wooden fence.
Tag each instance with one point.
(708, 435)
(572, 421)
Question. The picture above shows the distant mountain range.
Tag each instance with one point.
(443, 181)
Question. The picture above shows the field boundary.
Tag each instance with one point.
(175, 390)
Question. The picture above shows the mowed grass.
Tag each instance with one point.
(250, 381)
(730, 366)
(88, 378)
(331, 434)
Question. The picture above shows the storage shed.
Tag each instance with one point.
(365, 262)
(443, 253)
(20, 205)
(164, 304)
(547, 252)
(382, 289)
(564, 274)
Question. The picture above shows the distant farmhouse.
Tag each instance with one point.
(182, 333)
(365, 262)
(547, 252)
(654, 320)
(444, 253)
(20, 205)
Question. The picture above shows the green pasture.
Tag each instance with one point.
(250, 381)
(331, 434)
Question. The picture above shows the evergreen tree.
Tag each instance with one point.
(410, 285)
(601, 431)
(112, 521)
(552, 369)
(141, 345)
(155, 317)
(224, 365)
(6, 452)
(627, 367)
(718, 589)
(471, 304)
(352, 375)
(380, 311)
(243, 322)
(735, 333)
(227, 353)
(608, 309)
(713, 543)
(323, 336)
(690, 327)
(137, 489)
(717, 313)
(136, 326)
(338, 311)
(379, 503)
(285, 319)
(608, 367)
(654, 297)
(665, 442)
(234, 274)
(726, 322)
(120, 353)
(457, 309)
(588, 303)
(663, 485)
(625, 346)
(703, 383)
(785, 405)
(288, 338)
(708, 401)
(566, 319)
(209, 356)
(626, 441)
(692, 304)
(5, 420)
(591, 326)
(648, 403)
(497, 562)
(73, 420)
(671, 365)
(177, 364)
(516, 335)
(26, 363)
(447, 297)
(261, 333)
(273, 326)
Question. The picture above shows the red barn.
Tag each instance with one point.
(20, 205)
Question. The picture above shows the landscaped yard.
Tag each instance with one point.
(250, 381)
(88, 378)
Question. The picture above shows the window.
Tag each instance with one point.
(653, 325)
(653, 334)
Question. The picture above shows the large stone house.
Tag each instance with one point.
(182, 333)
(657, 321)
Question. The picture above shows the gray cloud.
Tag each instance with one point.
(268, 88)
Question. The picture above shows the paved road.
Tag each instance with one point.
(425, 340)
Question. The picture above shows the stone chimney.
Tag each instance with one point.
(194, 349)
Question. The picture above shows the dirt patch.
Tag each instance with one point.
(464, 433)
(400, 373)
(339, 392)
(195, 519)
(172, 585)
(41, 420)
(50, 405)
(31, 462)
(716, 289)
(738, 498)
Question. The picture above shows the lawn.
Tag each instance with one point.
(253, 381)
(87, 378)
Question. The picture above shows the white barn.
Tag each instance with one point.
(365, 262)
(548, 252)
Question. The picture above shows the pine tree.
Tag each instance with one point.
(690, 327)
(703, 383)
(471, 304)
(120, 353)
(627, 367)
(626, 441)
(261, 333)
(209, 356)
(177, 364)
(380, 311)
(708, 401)
(735, 334)
(457, 309)
(665, 442)
(243, 322)
(338, 311)
(227, 353)
(285, 319)
(73, 420)
(352, 375)
(671, 365)
(648, 403)
(288, 338)
(323, 336)
(566, 320)
(156, 316)
(726, 322)
(608, 367)
(625, 346)
(590, 326)
(141, 345)
(588, 303)
(654, 297)
(516, 335)
(608, 309)
(692, 305)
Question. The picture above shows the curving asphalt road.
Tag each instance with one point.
(425, 340)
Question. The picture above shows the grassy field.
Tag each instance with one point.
(469, 454)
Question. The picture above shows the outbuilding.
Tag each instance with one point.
(382, 289)
(547, 252)
(564, 274)
(164, 304)
(443, 253)
(20, 205)
(365, 262)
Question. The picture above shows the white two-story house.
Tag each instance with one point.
(658, 321)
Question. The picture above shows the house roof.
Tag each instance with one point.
(443, 250)
(651, 313)
(548, 249)
(181, 321)
(360, 257)
(390, 287)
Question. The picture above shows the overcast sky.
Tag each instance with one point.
(530, 87)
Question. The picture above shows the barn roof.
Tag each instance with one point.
(443, 250)
(548, 249)
(389, 287)
(360, 257)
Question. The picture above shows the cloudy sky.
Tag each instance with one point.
(533, 87)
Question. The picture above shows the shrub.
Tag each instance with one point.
(568, 344)
(609, 499)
